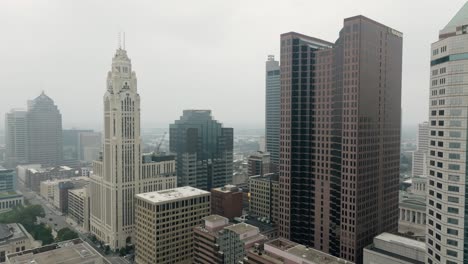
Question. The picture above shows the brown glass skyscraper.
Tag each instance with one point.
(340, 137)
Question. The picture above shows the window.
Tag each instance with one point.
(455, 123)
(452, 242)
(451, 231)
(452, 210)
(455, 134)
(440, 133)
(454, 156)
(454, 178)
(441, 112)
(433, 112)
(453, 199)
(443, 70)
(452, 221)
(454, 167)
(452, 253)
(441, 122)
(453, 188)
(454, 145)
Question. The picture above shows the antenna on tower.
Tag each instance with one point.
(119, 41)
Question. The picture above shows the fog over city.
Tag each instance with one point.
(206, 54)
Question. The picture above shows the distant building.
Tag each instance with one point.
(204, 150)
(7, 180)
(74, 251)
(264, 194)
(420, 155)
(56, 191)
(90, 146)
(390, 248)
(412, 219)
(13, 238)
(44, 124)
(281, 251)
(259, 163)
(10, 200)
(272, 109)
(16, 138)
(226, 201)
(33, 176)
(78, 206)
(71, 143)
(164, 222)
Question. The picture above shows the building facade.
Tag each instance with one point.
(205, 239)
(78, 206)
(447, 222)
(264, 196)
(258, 163)
(8, 201)
(420, 155)
(13, 238)
(44, 124)
(164, 222)
(226, 201)
(235, 240)
(121, 173)
(272, 109)
(16, 138)
(340, 137)
(7, 180)
(204, 150)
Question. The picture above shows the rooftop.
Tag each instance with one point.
(70, 252)
(171, 194)
(11, 232)
(227, 189)
(405, 241)
(242, 228)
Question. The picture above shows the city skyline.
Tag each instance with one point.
(152, 38)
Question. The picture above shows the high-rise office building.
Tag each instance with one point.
(16, 138)
(264, 196)
(420, 155)
(259, 163)
(204, 150)
(123, 172)
(340, 137)
(71, 143)
(272, 109)
(447, 221)
(44, 131)
(165, 222)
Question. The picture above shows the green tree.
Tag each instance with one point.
(66, 234)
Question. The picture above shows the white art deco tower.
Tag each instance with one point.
(122, 172)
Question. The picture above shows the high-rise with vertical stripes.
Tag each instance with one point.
(447, 223)
(340, 137)
(272, 109)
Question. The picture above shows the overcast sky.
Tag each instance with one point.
(207, 54)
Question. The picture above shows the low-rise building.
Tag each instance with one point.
(74, 251)
(281, 251)
(205, 239)
(33, 177)
(235, 240)
(10, 200)
(13, 238)
(264, 193)
(391, 248)
(7, 180)
(56, 191)
(226, 201)
(164, 222)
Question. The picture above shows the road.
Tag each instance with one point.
(57, 221)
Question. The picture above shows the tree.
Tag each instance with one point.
(122, 252)
(66, 234)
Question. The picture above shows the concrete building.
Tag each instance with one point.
(78, 206)
(340, 137)
(10, 200)
(56, 191)
(204, 150)
(13, 238)
(226, 201)
(281, 251)
(419, 167)
(44, 124)
(164, 222)
(390, 249)
(264, 195)
(71, 252)
(235, 240)
(16, 138)
(71, 144)
(259, 164)
(412, 219)
(33, 175)
(447, 228)
(90, 144)
(118, 185)
(205, 238)
(272, 109)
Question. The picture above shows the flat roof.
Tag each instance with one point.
(242, 228)
(171, 194)
(213, 218)
(68, 252)
(405, 241)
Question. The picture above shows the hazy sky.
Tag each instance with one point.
(206, 54)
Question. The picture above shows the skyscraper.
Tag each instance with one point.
(447, 223)
(204, 150)
(272, 109)
(16, 137)
(122, 172)
(44, 124)
(420, 155)
(340, 137)
(259, 163)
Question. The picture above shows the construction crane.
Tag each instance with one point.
(156, 150)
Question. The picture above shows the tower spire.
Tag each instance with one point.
(119, 41)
